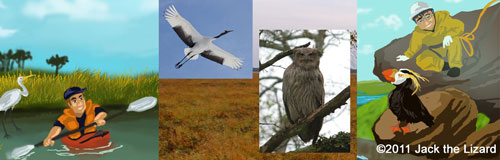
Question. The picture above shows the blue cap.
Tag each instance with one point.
(72, 91)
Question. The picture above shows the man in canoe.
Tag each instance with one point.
(79, 114)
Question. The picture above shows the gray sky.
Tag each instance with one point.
(300, 14)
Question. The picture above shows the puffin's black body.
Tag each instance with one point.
(408, 107)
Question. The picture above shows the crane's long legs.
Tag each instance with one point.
(3, 125)
(179, 64)
(17, 128)
(182, 59)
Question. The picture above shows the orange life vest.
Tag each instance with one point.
(68, 119)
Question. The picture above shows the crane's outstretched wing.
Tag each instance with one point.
(181, 26)
(220, 56)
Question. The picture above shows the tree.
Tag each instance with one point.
(277, 45)
(26, 57)
(2, 60)
(57, 62)
(289, 131)
(8, 57)
(18, 57)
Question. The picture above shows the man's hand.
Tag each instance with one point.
(447, 41)
(53, 132)
(48, 141)
(401, 58)
(100, 122)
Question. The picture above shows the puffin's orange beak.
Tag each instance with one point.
(389, 74)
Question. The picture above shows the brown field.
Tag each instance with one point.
(218, 119)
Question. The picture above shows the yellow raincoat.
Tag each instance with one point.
(429, 60)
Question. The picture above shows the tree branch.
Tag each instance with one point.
(270, 87)
(270, 77)
(279, 56)
(294, 129)
(269, 124)
(271, 44)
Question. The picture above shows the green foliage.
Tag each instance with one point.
(46, 90)
(482, 120)
(368, 114)
(8, 59)
(374, 87)
(336, 143)
(57, 62)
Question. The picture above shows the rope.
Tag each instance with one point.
(467, 37)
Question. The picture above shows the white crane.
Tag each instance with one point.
(197, 43)
(10, 98)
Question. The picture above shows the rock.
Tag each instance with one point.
(455, 119)
(480, 74)
(487, 136)
(366, 149)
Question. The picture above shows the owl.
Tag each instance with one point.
(303, 90)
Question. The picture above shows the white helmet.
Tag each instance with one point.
(418, 7)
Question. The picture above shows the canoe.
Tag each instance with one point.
(96, 139)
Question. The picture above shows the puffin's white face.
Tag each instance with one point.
(399, 78)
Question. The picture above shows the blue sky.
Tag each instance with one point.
(114, 36)
(210, 18)
(381, 22)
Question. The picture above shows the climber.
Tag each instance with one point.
(440, 33)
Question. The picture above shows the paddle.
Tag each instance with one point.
(139, 105)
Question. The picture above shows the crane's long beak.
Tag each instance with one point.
(389, 74)
(24, 78)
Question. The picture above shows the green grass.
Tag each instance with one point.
(374, 87)
(368, 114)
(46, 90)
(482, 120)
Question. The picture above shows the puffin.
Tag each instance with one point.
(402, 100)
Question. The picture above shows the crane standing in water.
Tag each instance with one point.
(10, 98)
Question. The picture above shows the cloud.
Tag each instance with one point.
(392, 22)
(2, 6)
(366, 49)
(76, 10)
(149, 5)
(453, 1)
(364, 10)
(6, 32)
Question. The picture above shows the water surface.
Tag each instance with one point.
(133, 136)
